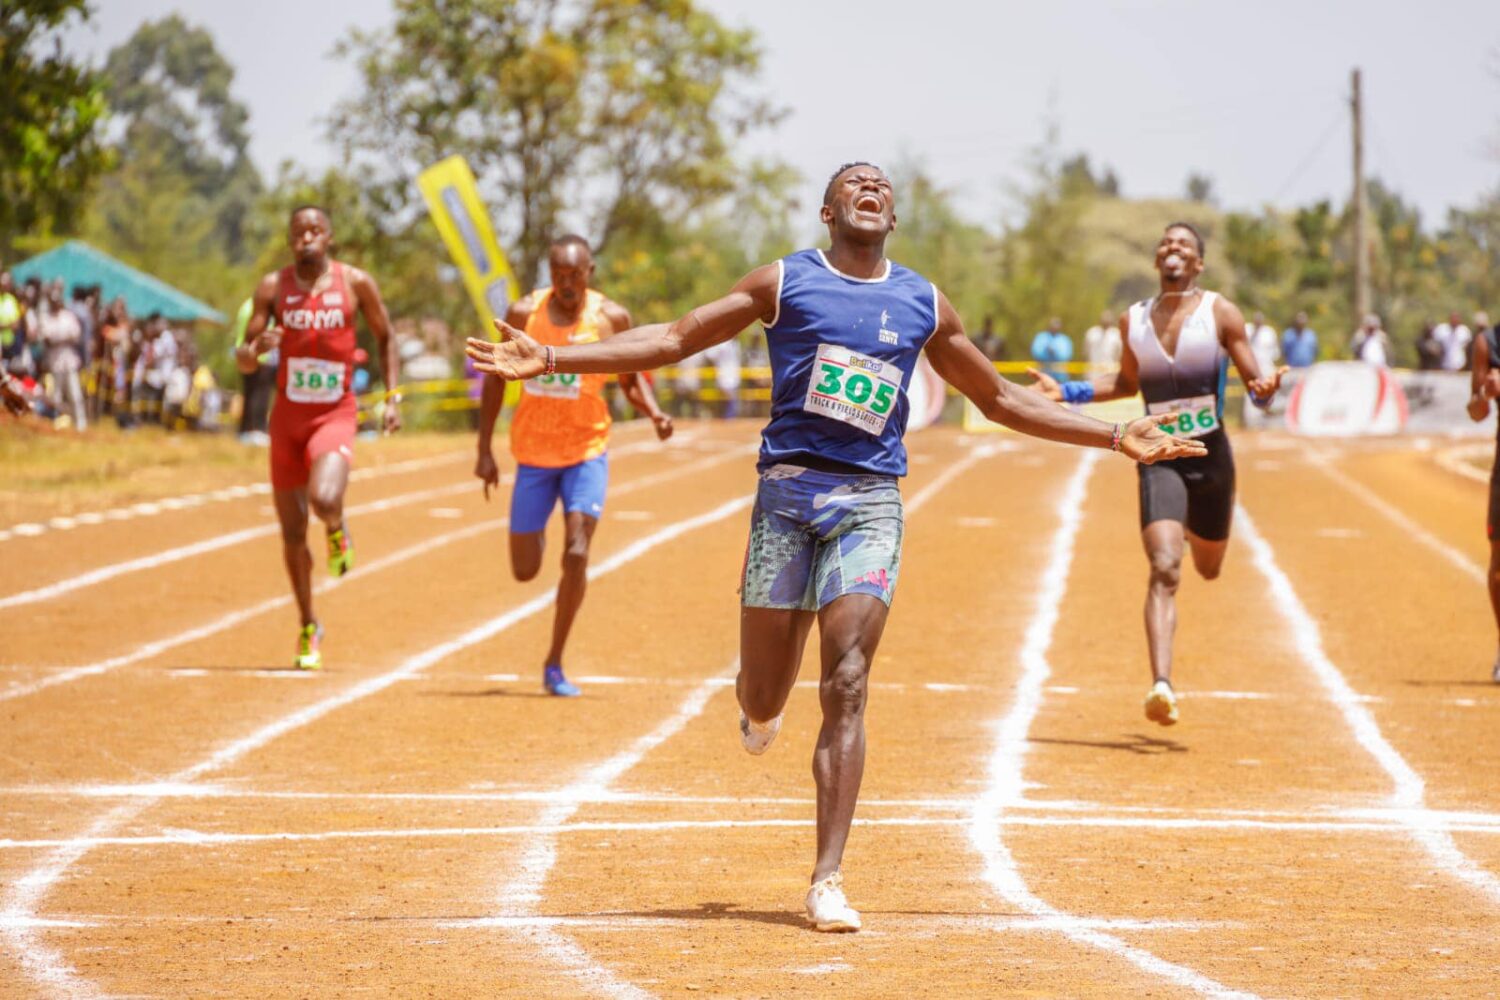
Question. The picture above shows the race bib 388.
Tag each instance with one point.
(1199, 415)
(853, 388)
(314, 380)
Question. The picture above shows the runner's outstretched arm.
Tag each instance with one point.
(1119, 384)
(959, 362)
(517, 356)
(1231, 324)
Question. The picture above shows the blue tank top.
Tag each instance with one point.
(842, 354)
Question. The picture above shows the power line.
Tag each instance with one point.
(1307, 161)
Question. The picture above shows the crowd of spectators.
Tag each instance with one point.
(80, 360)
(1441, 347)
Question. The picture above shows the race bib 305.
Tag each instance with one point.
(853, 388)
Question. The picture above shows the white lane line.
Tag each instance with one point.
(233, 618)
(1408, 796)
(165, 558)
(24, 897)
(152, 508)
(523, 892)
(1455, 460)
(1324, 463)
(520, 905)
(1006, 787)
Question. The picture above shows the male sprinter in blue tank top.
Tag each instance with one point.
(1174, 352)
(845, 328)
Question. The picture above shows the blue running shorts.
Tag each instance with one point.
(580, 487)
(817, 536)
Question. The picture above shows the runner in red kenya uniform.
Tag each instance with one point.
(314, 418)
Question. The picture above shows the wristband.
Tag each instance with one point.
(550, 367)
(1115, 436)
(393, 396)
(1261, 403)
(1078, 391)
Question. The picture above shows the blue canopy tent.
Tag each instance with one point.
(77, 263)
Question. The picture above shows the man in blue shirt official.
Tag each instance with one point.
(1052, 347)
(1299, 343)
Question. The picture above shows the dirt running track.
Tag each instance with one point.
(181, 816)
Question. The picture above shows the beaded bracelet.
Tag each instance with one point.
(1114, 438)
(551, 365)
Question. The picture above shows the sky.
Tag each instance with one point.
(1254, 95)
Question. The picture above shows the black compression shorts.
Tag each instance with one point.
(1199, 492)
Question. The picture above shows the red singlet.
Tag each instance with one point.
(315, 410)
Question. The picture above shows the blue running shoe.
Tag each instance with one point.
(556, 684)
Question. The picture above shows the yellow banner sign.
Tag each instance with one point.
(458, 212)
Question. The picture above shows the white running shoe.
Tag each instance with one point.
(758, 736)
(1161, 704)
(828, 909)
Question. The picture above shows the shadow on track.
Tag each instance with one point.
(1134, 743)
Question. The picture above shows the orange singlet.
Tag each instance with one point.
(562, 419)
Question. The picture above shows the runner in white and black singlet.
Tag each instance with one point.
(1485, 386)
(1175, 354)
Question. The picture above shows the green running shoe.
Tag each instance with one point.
(340, 552)
(309, 655)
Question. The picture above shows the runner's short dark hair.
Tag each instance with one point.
(310, 207)
(828, 189)
(1197, 236)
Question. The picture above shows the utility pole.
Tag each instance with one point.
(1361, 235)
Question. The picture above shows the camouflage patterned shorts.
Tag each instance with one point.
(816, 536)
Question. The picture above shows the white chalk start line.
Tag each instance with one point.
(1006, 786)
(24, 897)
(233, 618)
(188, 501)
(1408, 797)
(1375, 821)
(167, 557)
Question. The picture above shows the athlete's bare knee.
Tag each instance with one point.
(760, 702)
(577, 547)
(326, 505)
(524, 570)
(1166, 569)
(1210, 569)
(575, 564)
(843, 689)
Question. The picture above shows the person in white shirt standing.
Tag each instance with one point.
(1370, 343)
(725, 359)
(1455, 338)
(1101, 344)
(62, 336)
(1264, 343)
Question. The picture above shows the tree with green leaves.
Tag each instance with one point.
(600, 115)
(169, 91)
(52, 107)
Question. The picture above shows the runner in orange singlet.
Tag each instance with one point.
(314, 418)
(559, 436)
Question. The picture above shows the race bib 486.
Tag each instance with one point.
(1196, 416)
(853, 388)
(314, 380)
